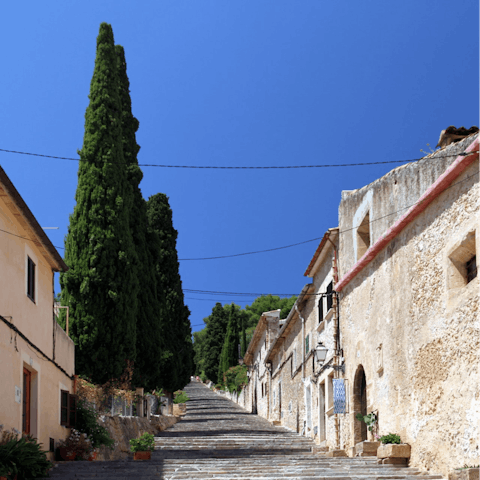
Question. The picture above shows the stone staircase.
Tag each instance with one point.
(218, 439)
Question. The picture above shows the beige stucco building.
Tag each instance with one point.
(409, 298)
(36, 356)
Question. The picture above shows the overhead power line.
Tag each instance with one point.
(220, 167)
(293, 244)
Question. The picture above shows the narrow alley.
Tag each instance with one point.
(218, 439)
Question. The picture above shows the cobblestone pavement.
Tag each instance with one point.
(218, 439)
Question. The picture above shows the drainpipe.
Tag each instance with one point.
(336, 356)
(303, 341)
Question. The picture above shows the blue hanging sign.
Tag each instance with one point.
(339, 400)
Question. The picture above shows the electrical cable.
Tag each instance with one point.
(216, 167)
(285, 246)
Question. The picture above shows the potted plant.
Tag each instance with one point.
(142, 447)
(392, 450)
(467, 472)
(76, 445)
(179, 402)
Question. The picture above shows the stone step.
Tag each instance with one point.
(217, 439)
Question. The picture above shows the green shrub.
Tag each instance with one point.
(23, 458)
(369, 420)
(236, 378)
(181, 397)
(390, 438)
(87, 422)
(203, 377)
(143, 444)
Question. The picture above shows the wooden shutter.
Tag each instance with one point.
(330, 296)
(64, 407)
(31, 279)
(27, 384)
(72, 410)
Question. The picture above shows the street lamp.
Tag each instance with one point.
(321, 352)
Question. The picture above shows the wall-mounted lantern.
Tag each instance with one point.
(321, 352)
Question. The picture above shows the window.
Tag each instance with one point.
(27, 388)
(320, 309)
(68, 409)
(462, 268)
(294, 359)
(330, 392)
(363, 236)
(471, 267)
(329, 296)
(31, 279)
(307, 344)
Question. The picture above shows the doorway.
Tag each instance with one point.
(308, 408)
(321, 412)
(360, 404)
(280, 400)
(26, 401)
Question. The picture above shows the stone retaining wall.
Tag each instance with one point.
(122, 429)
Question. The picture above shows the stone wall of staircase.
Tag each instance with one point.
(122, 429)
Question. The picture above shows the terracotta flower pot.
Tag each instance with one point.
(65, 456)
(92, 457)
(142, 455)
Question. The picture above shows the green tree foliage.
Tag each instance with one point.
(176, 361)
(267, 303)
(236, 378)
(150, 343)
(216, 330)
(199, 351)
(210, 342)
(229, 355)
(101, 284)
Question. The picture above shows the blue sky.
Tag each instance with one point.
(239, 83)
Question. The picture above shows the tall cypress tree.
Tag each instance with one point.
(101, 284)
(177, 360)
(229, 355)
(150, 343)
(216, 330)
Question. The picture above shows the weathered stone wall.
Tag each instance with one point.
(312, 385)
(122, 429)
(415, 333)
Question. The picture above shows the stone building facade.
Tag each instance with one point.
(409, 306)
(256, 394)
(291, 387)
(403, 340)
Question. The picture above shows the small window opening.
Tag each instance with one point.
(31, 279)
(320, 309)
(462, 268)
(471, 266)
(329, 296)
(363, 236)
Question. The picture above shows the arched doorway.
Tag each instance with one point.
(359, 404)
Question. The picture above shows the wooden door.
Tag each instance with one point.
(27, 389)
